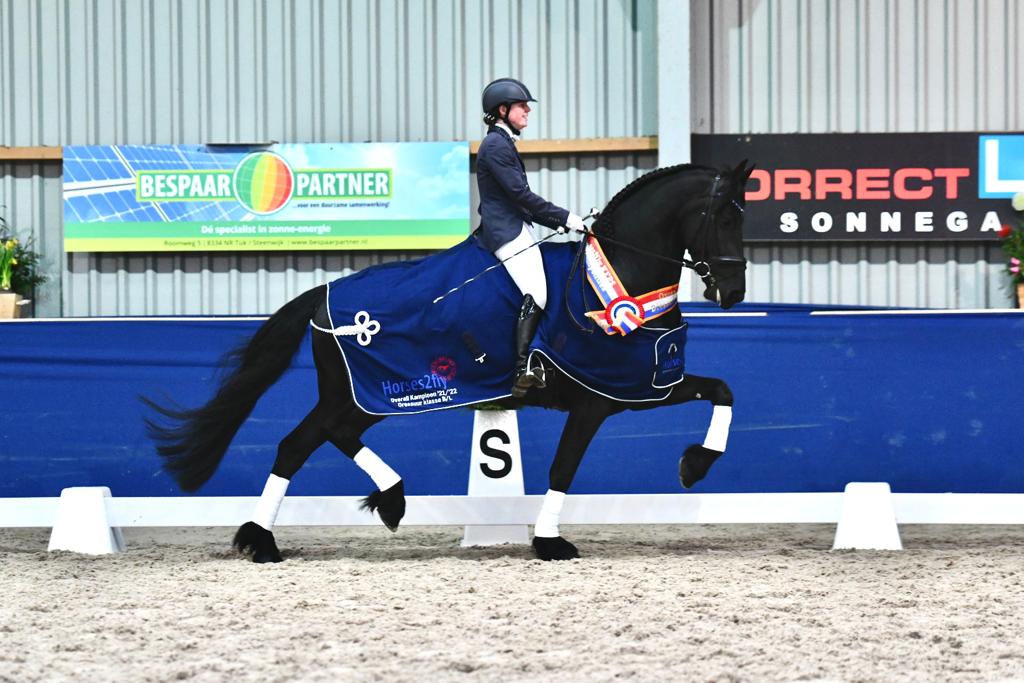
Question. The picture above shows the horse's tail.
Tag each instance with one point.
(194, 442)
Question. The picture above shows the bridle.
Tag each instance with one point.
(705, 268)
(706, 230)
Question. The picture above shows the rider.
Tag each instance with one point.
(507, 210)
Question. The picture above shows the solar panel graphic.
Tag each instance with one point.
(291, 197)
(102, 181)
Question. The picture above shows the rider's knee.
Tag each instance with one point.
(540, 296)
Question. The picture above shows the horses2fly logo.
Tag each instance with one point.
(433, 389)
(263, 183)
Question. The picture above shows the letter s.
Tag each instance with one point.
(486, 449)
(788, 222)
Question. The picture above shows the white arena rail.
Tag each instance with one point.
(694, 508)
(866, 515)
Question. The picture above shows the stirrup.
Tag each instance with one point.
(529, 378)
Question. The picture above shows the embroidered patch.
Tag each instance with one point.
(670, 357)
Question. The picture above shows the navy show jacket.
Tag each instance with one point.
(506, 201)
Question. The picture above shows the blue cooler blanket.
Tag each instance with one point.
(406, 354)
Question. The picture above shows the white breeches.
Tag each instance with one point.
(526, 269)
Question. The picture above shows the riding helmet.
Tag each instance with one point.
(505, 91)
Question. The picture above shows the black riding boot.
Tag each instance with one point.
(526, 327)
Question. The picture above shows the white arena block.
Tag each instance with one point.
(81, 525)
(495, 469)
(867, 520)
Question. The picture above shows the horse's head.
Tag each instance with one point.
(669, 211)
(714, 236)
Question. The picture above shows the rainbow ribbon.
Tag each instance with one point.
(622, 313)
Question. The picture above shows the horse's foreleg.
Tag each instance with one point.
(256, 536)
(698, 458)
(580, 428)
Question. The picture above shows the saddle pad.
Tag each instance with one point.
(407, 354)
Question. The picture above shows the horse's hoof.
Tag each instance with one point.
(556, 548)
(253, 539)
(389, 505)
(265, 556)
(695, 463)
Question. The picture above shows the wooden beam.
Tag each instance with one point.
(526, 147)
(31, 153)
(582, 145)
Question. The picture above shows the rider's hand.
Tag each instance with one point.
(574, 222)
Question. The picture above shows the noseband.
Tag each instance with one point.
(705, 269)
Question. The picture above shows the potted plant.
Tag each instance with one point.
(18, 272)
(1013, 246)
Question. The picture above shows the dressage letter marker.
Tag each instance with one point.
(868, 519)
(495, 469)
(82, 525)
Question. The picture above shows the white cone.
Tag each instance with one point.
(495, 469)
(81, 525)
(867, 520)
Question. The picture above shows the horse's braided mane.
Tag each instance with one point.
(606, 227)
(628, 190)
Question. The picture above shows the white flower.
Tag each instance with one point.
(1018, 201)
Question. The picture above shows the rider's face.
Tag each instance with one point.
(518, 114)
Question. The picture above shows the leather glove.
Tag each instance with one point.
(574, 222)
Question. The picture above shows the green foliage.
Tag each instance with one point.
(19, 263)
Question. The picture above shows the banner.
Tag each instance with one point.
(821, 400)
(412, 195)
(873, 187)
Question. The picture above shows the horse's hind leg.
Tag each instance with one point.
(256, 536)
(698, 458)
(388, 501)
(345, 426)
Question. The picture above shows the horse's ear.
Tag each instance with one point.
(742, 173)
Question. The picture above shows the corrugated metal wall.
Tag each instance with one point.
(195, 71)
(869, 66)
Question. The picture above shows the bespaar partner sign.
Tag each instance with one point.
(873, 187)
(405, 195)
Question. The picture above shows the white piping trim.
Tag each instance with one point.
(601, 393)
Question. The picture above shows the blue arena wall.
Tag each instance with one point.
(926, 402)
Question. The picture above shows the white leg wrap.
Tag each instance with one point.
(270, 502)
(383, 476)
(718, 430)
(550, 511)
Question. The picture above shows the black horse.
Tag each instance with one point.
(645, 231)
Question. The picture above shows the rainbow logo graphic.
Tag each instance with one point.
(263, 182)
